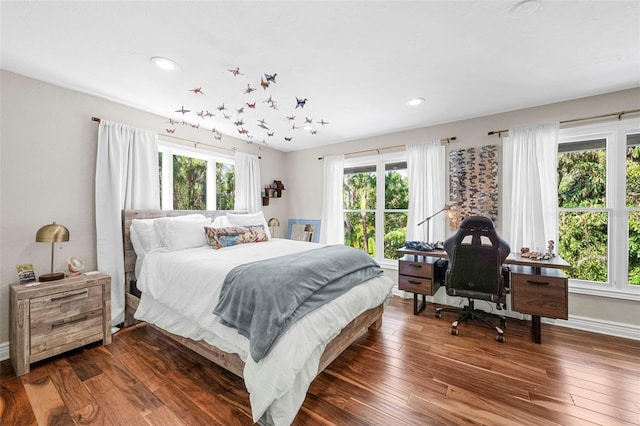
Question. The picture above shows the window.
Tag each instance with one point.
(599, 207)
(376, 203)
(192, 179)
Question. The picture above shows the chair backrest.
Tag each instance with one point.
(476, 254)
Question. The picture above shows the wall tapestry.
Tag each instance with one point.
(473, 183)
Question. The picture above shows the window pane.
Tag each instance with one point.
(634, 248)
(633, 170)
(225, 186)
(395, 232)
(359, 231)
(189, 183)
(360, 190)
(582, 174)
(583, 243)
(396, 186)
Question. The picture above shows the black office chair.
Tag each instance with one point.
(475, 271)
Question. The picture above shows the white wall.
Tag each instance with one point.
(47, 166)
(47, 158)
(306, 182)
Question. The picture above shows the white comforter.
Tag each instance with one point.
(181, 288)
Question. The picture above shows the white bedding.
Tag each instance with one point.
(181, 288)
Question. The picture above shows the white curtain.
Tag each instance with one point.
(426, 173)
(126, 178)
(530, 197)
(332, 225)
(248, 187)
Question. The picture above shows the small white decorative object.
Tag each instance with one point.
(75, 266)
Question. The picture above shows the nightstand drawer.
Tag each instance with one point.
(416, 269)
(52, 336)
(541, 295)
(65, 304)
(416, 285)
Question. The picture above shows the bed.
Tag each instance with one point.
(278, 383)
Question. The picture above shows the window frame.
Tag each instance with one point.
(615, 134)
(379, 160)
(169, 149)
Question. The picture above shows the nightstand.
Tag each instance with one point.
(54, 317)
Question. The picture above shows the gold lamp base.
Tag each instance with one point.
(51, 277)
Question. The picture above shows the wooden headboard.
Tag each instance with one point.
(128, 215)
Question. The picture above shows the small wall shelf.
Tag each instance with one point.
(273, 190)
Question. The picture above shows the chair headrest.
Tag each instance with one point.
(473, 222)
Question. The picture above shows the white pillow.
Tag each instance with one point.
(137, 247)
(181, 232)
(143, 237)
(151, 234)
(248, 220)
(184, 235)
(221, 222)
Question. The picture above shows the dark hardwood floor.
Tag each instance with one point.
(412, 371)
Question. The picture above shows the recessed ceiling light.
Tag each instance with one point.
(524, 8)
(415, 101)
(164, 63)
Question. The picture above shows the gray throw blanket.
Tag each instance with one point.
(263, 299)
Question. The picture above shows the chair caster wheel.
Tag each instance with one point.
(500, 338)
(454, 331)
(438, 314)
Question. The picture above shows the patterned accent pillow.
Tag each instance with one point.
(231, 236)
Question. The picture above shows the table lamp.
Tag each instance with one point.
(447, 207)
(52, 233)
(273, 223)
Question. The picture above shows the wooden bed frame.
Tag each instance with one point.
(370, 319)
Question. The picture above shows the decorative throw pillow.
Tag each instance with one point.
(231, 236)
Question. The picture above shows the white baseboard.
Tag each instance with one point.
(611, 328)
(4, 351)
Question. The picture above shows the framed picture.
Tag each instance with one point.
(304, 230)
(473, 183)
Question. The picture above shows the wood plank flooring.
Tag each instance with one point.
(411, 372)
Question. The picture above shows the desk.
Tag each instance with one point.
(538, 287)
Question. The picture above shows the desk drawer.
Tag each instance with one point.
(417, 285)
(416, 269)
(540, 295)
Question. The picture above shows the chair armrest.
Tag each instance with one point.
(506, 275)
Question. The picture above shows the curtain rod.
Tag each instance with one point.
(613, 114)
(386, 148)
(196, 143)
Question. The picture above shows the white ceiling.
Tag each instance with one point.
(356, 62)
